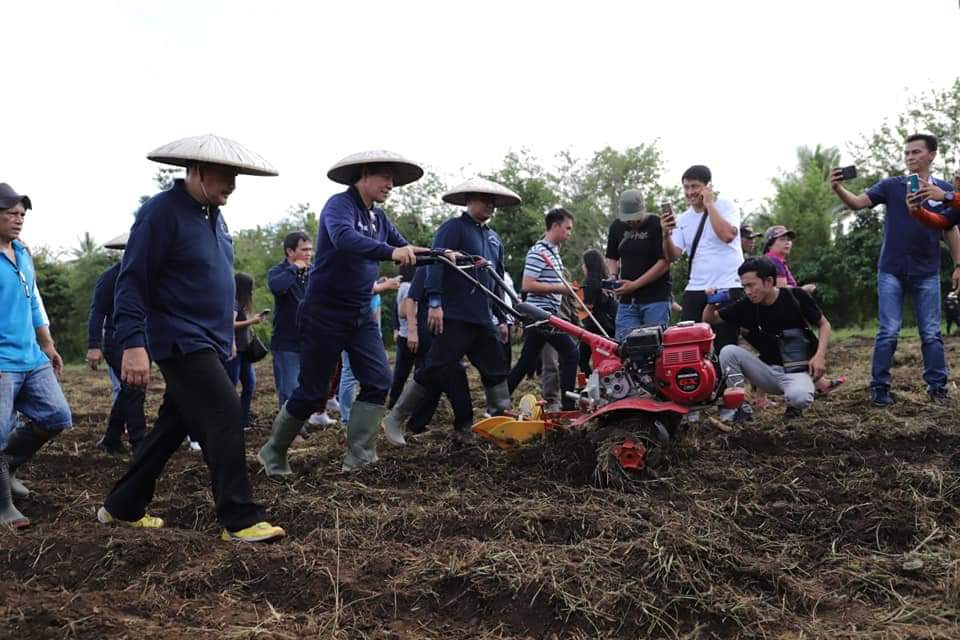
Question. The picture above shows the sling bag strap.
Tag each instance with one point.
(696, 241)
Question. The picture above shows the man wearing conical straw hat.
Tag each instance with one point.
(175, 293)
(354, 237)
(462, 319)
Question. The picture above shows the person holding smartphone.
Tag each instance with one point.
(909, 264)
(708, 232)
(240, 367)
(635, 255)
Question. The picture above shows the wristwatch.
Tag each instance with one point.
(434, 302)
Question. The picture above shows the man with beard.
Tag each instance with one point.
(354, 237)
(460, 317)
(176, 294)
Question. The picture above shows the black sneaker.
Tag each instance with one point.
(792, 413)
(743, 414)
(113, 448)
(940, 396)
(881, 397)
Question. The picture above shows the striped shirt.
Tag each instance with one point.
(537, 267)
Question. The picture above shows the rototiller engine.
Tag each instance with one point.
(638, 393)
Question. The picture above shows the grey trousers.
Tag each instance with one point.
(739, 364)
(550, 376)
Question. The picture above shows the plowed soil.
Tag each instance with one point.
(842, 524)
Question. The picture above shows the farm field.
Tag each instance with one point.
(842, 525)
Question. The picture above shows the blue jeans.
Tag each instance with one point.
(632, 316)
(37, 395)
(286, 371)
(347, 392)
(241, 370)
(114, 385)
(925, 295)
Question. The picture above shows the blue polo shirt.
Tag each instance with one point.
(909, 249)
(351, 243)
(22, 314)
(100, 327)
(288, 287)
(176, 291)
(460, 299)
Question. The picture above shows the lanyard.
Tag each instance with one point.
(20, 276)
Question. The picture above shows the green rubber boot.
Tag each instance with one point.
(408, 402)
(273, 455)
(362, 431)
(498, 399)
(9, 515)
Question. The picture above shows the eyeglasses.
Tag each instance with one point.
(24, 283)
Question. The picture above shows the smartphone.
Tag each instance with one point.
(611, 284)
(848, 173)
(666, 208)
(265, 312)
(719, 297)
(913, 183)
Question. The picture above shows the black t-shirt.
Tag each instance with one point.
(765, 322)
(638, 250)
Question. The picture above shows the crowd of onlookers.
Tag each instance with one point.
(174, 301)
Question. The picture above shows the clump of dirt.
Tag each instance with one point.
(842, 523)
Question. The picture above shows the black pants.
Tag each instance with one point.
(401, 370)
(530, 357)
(453, 383)
(200, 402)
(127, 409)
(479, 342)
(694, 302)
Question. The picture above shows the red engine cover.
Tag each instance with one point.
(684, 372)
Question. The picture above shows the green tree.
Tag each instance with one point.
(803, 201)
(880, 154)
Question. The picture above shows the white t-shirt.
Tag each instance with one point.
(402, 294)
(716, 261)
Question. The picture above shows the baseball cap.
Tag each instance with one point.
(746, 231)
(631, 205)
(778, 231)
(10, 198)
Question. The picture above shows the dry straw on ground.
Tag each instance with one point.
(842, 525)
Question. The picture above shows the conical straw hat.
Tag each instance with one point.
(502, 197)
(120, 242)
(348, 170)
(213, 150)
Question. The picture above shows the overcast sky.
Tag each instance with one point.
(92, 86)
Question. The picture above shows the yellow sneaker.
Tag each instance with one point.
(260, 532)
(146, 522)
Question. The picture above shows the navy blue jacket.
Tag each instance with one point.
(459, 297)
(100, 324)
(176, 288)
(288, 287)
(351, 243)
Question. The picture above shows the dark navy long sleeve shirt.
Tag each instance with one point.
(351, 243)
(288, 287)
(460, 299)
(176, 291)
(100, 323)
